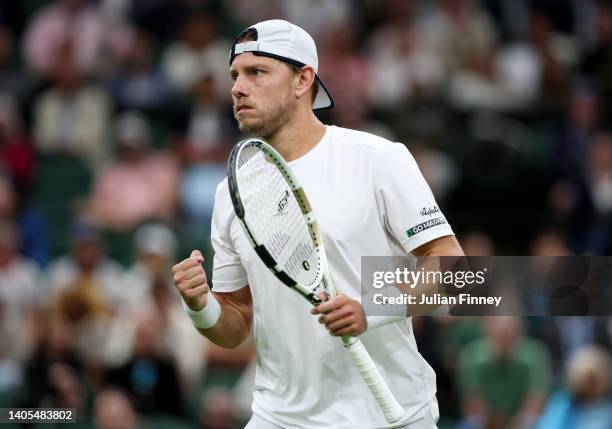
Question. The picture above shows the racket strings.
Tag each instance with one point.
(275, 215)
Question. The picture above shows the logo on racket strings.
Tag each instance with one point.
(306, 265)
(282, 205)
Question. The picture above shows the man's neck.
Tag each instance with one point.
(301, 134)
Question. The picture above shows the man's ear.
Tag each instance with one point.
(304, 80)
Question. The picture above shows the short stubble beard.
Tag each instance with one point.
(276, 118)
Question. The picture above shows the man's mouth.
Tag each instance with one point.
(242, 108)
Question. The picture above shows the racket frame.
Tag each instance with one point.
(313, 228)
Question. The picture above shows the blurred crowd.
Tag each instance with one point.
(115, 126)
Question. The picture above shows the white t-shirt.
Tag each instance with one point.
(368, 195)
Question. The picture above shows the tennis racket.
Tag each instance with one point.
(278, 220)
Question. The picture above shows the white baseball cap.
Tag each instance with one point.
(286, 42)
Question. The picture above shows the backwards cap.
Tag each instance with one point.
(286, 42)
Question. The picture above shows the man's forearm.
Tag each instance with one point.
(430, 264)
(233, 326)
(432, 253)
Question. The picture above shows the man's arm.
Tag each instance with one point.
(431, 253)
(234, 325)
(345, 316)
(235, 320)
(443, 246)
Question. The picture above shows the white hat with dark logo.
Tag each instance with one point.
(286, 42)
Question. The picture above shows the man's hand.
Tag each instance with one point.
(190, 280)
(342, 316)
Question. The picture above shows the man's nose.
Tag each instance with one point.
(238, 89)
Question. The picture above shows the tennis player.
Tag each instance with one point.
(370, 199)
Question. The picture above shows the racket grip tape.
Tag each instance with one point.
(392, 410)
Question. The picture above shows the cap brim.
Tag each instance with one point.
(323, 100)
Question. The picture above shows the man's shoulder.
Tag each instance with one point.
(222, 191)
(362, 140)
(223, 202)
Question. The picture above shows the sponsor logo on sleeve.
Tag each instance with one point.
(411, 232)
(429, 211)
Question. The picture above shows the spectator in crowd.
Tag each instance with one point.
(96, 39)
(340, 59)
(441, 340)
(163, 18)
(555, 55)
(359, 117)
(562, 335)
(145, 287)
(549, 242)
(492, 78)
(11, 370)
(138, 84)
(243, 11)
(439, 169)
(217, 410)
(583, 199)
(570, 200)
(140, 185)
(30, 222)
(199, 47)
(13, 80)
(600, 175)
(585, 400)
(504, 377)
(54, 371)
(16, 152)
(19, 277)
(66, 388)
(85, 262)
(113, 409)
(72, 117)
(477, 243)
(20, 293)
(596, 64)
(156, 247)
(210, 131)
(86, 306)
(316, 16)
(404, 68)
(459, 31)
(583, 121)
(203, 153)
(149, 376)
(189, 353)
(545, 293)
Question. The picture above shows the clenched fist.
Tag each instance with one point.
(190, 280)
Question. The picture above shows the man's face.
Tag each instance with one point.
(262, 94)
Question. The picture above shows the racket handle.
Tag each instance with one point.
(392, 410)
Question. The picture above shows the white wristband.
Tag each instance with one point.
(206, 317)
(375, 322)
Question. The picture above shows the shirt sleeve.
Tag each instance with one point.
(229, 274)
(406, 203)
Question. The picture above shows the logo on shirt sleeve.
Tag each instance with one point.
(411, 232)
(429, 211)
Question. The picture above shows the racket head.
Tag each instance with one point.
(277, 217)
